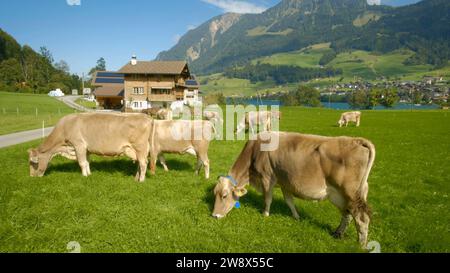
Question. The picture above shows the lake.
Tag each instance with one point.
(338, 105)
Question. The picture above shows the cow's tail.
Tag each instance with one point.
(361, 198)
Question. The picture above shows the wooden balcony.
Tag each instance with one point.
(162, 98)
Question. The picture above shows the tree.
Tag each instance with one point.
(308, 96)
(101, 66)
(359, 100)
(375, 96)
(389, 97)
(62, 66)
(11, 72)
(46, 54)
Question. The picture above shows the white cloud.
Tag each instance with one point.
(191, 27)
(236, 6)
(73, 2)
(374, 2)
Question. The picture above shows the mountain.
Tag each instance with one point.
(233, 39)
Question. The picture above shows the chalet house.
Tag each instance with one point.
(149, 84)
(109, 90)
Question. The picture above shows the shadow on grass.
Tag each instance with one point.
(279, 207)
(126, 167)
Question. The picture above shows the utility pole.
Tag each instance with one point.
(82, 83)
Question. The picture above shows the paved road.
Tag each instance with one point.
(70, 101)
(22, 137)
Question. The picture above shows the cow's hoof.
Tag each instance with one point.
(338, 235)
(266, 214)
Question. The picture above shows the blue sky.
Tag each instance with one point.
(82, 31)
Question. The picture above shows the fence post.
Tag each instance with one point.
(36, 112)
(43, 129)
(17, 110)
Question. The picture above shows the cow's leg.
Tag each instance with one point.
(289, 198)
(88, 165)
(338, 199)
(203, 161)
(361, 213)
(162, 159)
(82, 160)
(153, 160)
(268, 195)
(358, 122)
(345, 221)
(143, 162)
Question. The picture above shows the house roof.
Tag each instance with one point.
(110, 90)
(107, 77)
(155, 67)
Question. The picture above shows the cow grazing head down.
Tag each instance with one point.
(226, 195)
(38, 163)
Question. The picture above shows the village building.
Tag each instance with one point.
(149, 84)
(140, 85)
(109, 90)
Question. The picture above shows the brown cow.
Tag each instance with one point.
(181, 137)
(78, 135)
(348, 117)
(258, 118)
(308, 167)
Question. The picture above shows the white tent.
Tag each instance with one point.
(56, 93)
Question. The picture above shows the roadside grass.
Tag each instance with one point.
(109, 212)
(86, 104)
(18, 112)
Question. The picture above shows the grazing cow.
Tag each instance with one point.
(308, 167)
(181, 137)
(78, 135)
(348, 117)
(260, 118)
(213, 117)
(165, 114)
(153, 112)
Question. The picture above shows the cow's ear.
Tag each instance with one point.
(239, 191)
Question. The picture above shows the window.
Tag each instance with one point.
(138, 90)
(161, 91)
(139, 105)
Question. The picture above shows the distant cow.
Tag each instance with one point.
(348, 117)
(78, 135)
(181, 137)
(308, 167)
(152, 111)
(165, 114)
(258, 118)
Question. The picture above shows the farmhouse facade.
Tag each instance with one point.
(140, 85)
(149, 84)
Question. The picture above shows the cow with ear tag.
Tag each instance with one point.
(227, 194)
(309, 167)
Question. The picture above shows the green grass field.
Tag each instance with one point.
(109, 212)
(18, 112)
(87, 104)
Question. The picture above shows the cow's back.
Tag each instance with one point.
(304, 163)
(105, 133)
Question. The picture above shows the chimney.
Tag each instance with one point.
(133, 60)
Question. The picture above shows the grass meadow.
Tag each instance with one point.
(171, 212)
(21, 112)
